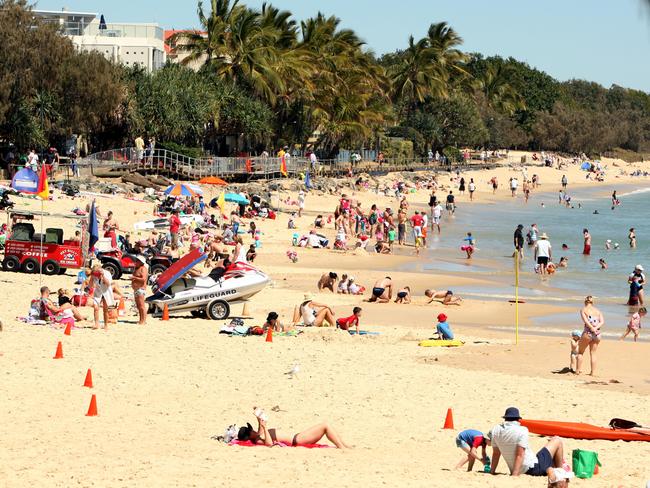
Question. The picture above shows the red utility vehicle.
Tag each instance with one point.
(28, 251)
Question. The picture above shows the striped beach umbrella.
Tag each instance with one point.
(183, 189)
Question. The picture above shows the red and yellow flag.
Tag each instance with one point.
(43, 190)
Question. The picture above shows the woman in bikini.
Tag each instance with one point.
(593, 320)
(271, 437)
(314, 314)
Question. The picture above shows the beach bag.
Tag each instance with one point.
(584, 463)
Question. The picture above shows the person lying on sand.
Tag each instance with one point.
(446, 297)
(268, 437)
(382, 291)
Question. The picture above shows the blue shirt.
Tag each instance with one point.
(444, 330)
(468, 436)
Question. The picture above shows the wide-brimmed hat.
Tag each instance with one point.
(543, 236)
(245, 432)
(512, 413)
(307, 297)
(141, 259)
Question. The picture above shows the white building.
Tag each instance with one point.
(128, 43)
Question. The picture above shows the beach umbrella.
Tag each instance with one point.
(586, 165)
(93, 229)
(236, 198)
(183, 189)
(212, 180)
(102, 23)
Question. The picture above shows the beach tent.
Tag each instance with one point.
(586, 166)
(183, 189)
(25, 181)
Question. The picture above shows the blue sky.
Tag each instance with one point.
(607, 41)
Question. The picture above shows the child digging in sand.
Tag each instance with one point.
(575, 341)
(347, 322)
(634, 324)
(469, 441)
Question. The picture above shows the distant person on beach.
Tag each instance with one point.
(451, 203)
(382, 291)
(269, 437)
(102, 285)
(564, 182)
(519, 241)
(593, 320)
(564, 262)
(636, 281)
(472, 188)
(443, 329)
(634, 324)
(510, 441)
(469, 246)
(446, 297)
(632, 238)
(403, 295)
(139, 284)
(437, 216)
(514, 184)
(495, 184)
(327, 281)
(586, 250)
(469, 441)
(543, 253)
(575, 344)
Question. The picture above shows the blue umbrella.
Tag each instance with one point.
(586, 165)
(236, 198)
(92, 227)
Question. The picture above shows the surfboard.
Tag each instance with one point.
(441, 343)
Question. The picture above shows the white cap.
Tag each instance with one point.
(639, 267)
(141, 259)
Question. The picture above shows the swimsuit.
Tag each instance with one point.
(402, 294)
(378, 292)
(141, 292)
(592, 335)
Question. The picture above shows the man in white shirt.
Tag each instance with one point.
(313, 240)
(437, 215)
(513, 186)
(313, 161)
(543, 253)
(32, 160)
(510, 441)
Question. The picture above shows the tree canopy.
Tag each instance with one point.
(268, 80)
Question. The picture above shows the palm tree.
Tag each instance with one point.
(499, 93)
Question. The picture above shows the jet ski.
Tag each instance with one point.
(205, 295)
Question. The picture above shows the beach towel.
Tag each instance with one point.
(279, 444)
(363, 332)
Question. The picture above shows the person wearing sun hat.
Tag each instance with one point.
(543, 252)
(510, 441)
(443, 330)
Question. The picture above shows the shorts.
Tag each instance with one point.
(140, 292)
(402, 294)
(544, 461)
(401, 231)
(461, 444)
(543, 260)
(587, 249)
(378, 292)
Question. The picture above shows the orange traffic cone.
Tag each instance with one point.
(121, 310)
(59, 351)
(269, 334)
(449, 420)
(92, 408)
(68, 329)
(245, 312)
(165, 315)
(88, 382)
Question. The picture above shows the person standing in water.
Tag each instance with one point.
(519, 241)
(543, 253)
(586, 250)
(632, 238)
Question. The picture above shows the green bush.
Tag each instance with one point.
(453, 154)
(192, 152)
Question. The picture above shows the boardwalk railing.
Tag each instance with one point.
(178, 165)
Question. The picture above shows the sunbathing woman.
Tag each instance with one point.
(314, 314)
(269, 437)
(446, 297)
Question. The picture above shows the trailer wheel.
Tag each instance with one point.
(11, 263)
(157, 268)
(113, 269)
(218, 310)
(51, 268)
(29, 266)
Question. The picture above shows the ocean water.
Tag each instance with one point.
(493, 226)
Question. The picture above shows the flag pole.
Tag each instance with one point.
(516, 297)
(40, 259)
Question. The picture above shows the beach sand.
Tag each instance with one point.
(165, 389)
